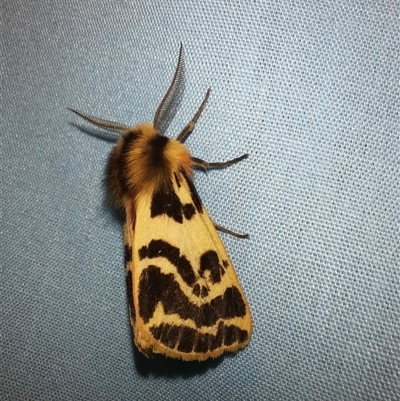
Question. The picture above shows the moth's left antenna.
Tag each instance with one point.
(105, 124)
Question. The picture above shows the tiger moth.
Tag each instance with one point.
(185, 300)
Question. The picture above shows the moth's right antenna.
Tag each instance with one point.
(171, 96)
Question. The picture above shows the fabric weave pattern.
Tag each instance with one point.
(309, 89)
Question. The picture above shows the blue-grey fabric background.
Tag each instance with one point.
(309, 89)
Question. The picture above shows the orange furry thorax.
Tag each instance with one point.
(144, 161)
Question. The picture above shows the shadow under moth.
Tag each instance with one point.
(185, 299)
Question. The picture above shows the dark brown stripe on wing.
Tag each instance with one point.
(129, 289)
(162, 249)
(177, 180)
(187, 339)
(210, 261)
(193, 193)
(166, 201)
(156, 287)
(128, 254)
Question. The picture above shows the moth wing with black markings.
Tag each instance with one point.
(185, 299)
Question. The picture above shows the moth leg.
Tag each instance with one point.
(225, 230)
(190, 125)
(206, 165)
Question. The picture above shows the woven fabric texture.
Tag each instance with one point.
(309, 89)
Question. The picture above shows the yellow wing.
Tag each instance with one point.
(185, 298)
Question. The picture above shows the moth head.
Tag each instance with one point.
(142, 162)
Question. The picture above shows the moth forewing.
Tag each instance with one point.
(188, 301)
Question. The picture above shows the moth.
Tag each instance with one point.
(185, 300)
